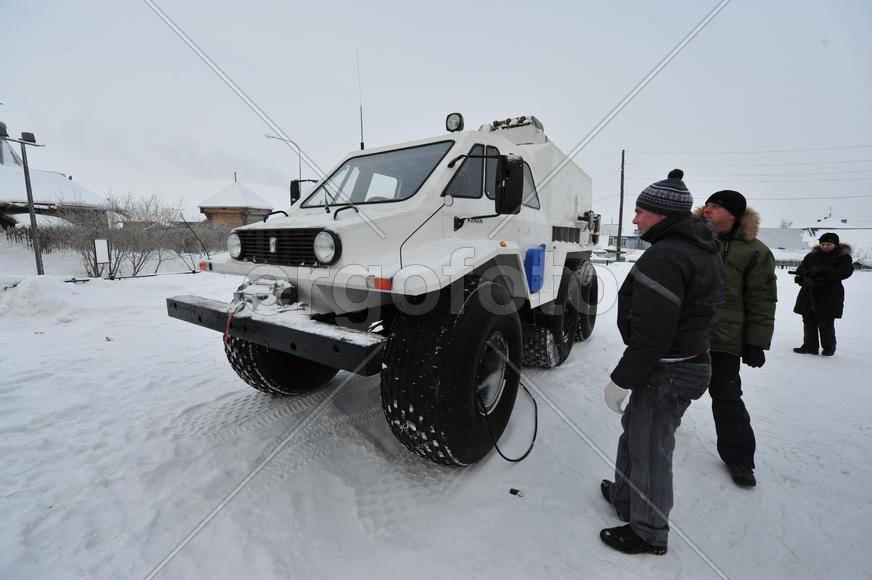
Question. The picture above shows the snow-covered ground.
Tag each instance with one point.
(130, 449)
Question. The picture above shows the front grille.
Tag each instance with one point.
(292, 247)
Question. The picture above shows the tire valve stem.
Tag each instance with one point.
(516, 492)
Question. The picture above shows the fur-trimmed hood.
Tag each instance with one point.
(841, 250)
(746, 228)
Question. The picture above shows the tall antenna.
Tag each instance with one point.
(359, 98)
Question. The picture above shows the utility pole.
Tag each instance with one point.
(620, 212)
(27, 139)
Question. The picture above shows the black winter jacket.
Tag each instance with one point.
(666, 306)
(821, 274)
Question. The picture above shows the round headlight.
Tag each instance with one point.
(326, 247)
(234, 246)
(454, 122)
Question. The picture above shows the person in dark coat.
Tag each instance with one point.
(666, 308)
(822, 297)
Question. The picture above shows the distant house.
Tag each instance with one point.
(235, 206)
(54, 194)
(857, 235)
(790, 245)
(630, 241)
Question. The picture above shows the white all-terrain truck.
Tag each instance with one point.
(443, 265)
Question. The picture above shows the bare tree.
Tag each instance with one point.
(785, 223)
(91, 226)
(863, 256)
(191, 241)
(142, 229)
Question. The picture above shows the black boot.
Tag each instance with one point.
(624, 539)
(804, 350)
(742, 475)
(606, 487)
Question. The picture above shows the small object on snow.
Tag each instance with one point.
(108, 339)
(516, 492)
(38, 332)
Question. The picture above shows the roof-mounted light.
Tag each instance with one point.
(454, 122)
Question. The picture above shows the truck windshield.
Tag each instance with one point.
(380, 177)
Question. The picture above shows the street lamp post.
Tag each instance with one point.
(299, 154)
(27, 139)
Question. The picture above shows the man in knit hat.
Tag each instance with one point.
(666, 307)
(744, 329)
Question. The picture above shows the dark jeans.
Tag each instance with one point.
(736, 442)
(645, 447)
(814, 324)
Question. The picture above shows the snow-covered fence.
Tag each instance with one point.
(50, 238)
(143, 233)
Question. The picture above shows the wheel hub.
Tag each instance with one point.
(491, 373)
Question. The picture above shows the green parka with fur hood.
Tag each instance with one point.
(747, 315)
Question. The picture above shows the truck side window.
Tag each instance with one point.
(490, 173)
(468, 179)
(531, 198)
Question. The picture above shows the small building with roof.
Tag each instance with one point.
(54, 194)
(235, 206)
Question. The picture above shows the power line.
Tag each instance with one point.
(249, 102)
(816, 198)
(750, 152)
(792, 198)
(623, 103)
(636, 90)
(651, 172)
(609, 158)
(761, 164)
(744, 180)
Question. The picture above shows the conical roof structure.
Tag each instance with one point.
(236, 195)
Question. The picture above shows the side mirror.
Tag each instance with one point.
(295, 191)
(510, 184)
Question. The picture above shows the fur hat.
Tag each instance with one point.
(829, 237)
(667, 197)
(732, 201)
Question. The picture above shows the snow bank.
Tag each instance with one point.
(129, 446)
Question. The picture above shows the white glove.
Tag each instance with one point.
(614, 396)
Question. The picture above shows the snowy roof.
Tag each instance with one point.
(49, 187)
(8, 156)
(837, 223)
(22, 220)
(236, 195)
(783, 238)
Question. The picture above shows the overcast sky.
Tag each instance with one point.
(772, 98)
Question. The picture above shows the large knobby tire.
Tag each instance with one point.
(549, 341)
(587, 309)
(450, 379)
(273, 371)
